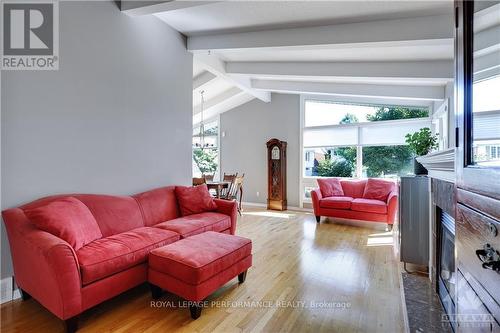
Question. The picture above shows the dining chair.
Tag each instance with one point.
(235, 191)
(228, 177)
(209, 178)
(198, 181)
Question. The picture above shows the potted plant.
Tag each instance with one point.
(421, 143)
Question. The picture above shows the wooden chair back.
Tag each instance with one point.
(209, 178)
(234, 188)
(198, 181)
(228, 177)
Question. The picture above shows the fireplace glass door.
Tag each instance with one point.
(446, 269)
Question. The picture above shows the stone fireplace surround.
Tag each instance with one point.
(441, 167)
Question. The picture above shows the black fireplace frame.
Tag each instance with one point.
(441, 289)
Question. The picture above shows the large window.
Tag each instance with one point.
(351, 140)
(206, 149)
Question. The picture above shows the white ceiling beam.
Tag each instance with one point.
(217, 67)
(145, 7)
(435, 69)
(216, 100)
(202, 79)
(222, 103)
(398, 92)
(437, 27)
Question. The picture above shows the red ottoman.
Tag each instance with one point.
(196, 266)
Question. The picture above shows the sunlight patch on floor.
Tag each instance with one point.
(270, 214)
(380, 239)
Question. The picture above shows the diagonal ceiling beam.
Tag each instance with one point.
(217, 99)
(437, 27)
(436, 69)
(217, 67)
(222, 103)
(399, 92)
(202, 79)
(146, 7)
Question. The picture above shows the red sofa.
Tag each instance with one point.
(68, 281)
(371, 199)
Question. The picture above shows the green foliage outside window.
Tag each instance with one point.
(378, 161)
(335, 166)
(397, 112)
(206, 160)
(349, 118)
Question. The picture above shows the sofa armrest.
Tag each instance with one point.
(45, 266)
(316, 196)
(392, 206)
(230, 208)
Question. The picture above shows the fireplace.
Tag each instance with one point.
(446, 272)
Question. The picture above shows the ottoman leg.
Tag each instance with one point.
(242, 276)
(156, 291)
(195, 311)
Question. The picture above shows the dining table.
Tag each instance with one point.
(218, 186)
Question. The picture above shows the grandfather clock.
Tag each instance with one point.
(276, 171)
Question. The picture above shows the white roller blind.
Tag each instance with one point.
(372, 133)
(391, 134)
(330, 136)
(486, 125)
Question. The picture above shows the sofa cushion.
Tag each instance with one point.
(336, 202)
(369, 206)
(67, 218)
(194, 199)
(197, 223)
(198, 258)
(378, 189)
(114, 214)
(113, 254)
(353, 188)
(158, 205)
(330, 187)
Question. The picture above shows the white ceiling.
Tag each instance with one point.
(240, 16)
(249, 51)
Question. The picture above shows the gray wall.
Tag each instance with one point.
(115, 118)
(243, 149)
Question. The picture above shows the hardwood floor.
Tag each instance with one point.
(306, 277)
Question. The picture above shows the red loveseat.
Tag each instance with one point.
(370, 199)
(67, 281)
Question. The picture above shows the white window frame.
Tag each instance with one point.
(310, 181)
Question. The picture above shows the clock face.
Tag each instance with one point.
(275, 153)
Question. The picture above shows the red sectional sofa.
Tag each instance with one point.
(371, 199)
(67, 281)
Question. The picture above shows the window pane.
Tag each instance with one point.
(204, 162)
(330, 162)
(321, 113)
(387, 161)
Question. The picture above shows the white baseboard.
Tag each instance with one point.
(7, 291)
